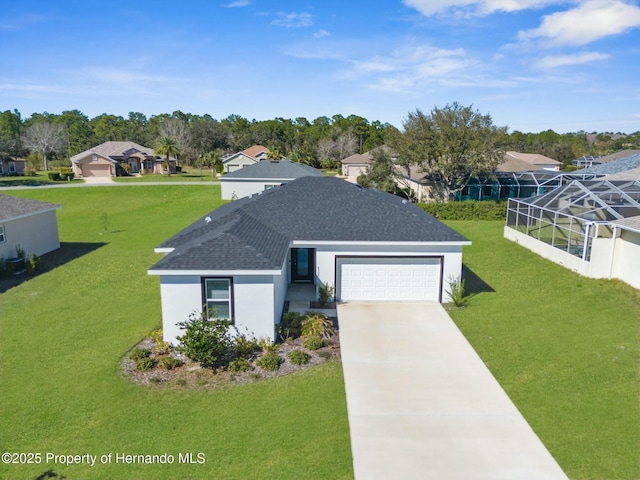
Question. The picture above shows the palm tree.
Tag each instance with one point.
(168, 147)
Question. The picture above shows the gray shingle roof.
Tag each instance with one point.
(254, 233)
(15, 207)
(113, 149)
(273, 169)
(614, 166)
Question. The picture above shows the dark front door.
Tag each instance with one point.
(302, 265)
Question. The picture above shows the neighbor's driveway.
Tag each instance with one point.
(422, 405)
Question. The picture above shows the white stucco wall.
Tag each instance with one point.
(36, 233)
(254, 305)
(624, 265)
(627, 258)
(243, 188)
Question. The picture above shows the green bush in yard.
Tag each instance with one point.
(290, 326)
(312, 343)
(139, 353)
(205, 341)
(298, 357)
(467, 210)
(240, 365)
(170, 362)
(144, 364)
(269, 361)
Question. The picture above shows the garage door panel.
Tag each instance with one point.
(389, 279)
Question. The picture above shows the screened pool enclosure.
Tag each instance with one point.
(570, 217)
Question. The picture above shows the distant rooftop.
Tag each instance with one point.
(273, 169)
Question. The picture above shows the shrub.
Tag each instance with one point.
(30, 172)
(269, 361)
(325, 294)
(139, 353)
(317, 325)
(467, 210)
(268, 346)
(54, 176)
(456, 292)
(20, 253)
(298, 357)
(33, 263)
(162, 347)
(240, 365)
(67, 176)
(290, 326)
(170, 362)
(205, 341)
(312, 343)
(245, 346)
(145, 364)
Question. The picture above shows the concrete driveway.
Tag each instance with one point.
(422, 405)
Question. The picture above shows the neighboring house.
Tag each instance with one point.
(106, 160)
(358, 164)
(523, 162)
(247, 157)
(589, 226)
(263, 176)
(10, 166)
(30, 224)
(588, 162)
(241, 258)
(623, 167)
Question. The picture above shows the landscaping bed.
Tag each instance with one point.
(190, 374)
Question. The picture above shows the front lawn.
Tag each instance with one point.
(565, 348)
(63, 334)
(190, 175)
(41, 178)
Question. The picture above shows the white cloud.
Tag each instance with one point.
(554, 61)
(475, 7)
(321, 33)
(293, 19)
(590, 21)
(238, 4)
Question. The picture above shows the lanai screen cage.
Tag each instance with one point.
(517, 184)
(571, 216)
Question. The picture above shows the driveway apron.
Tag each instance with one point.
(422, 404)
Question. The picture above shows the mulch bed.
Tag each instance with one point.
(192, 375)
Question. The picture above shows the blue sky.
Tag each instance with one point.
(567, 65)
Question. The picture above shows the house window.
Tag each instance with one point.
(1, 168)
(12, 167)
(217, 298)
(2, 237)
(488, 190)
(269, 187)
(149, 165)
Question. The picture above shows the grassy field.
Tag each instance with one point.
(190, 175)
(565, 348)
(63, 333)
(40, 178)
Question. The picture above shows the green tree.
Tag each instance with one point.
(382, 173)
(168, 147)
(11, 129)
(451, 144)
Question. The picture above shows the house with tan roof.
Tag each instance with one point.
(246, 157)
(112, 158)
(524, 162)
(358, 164)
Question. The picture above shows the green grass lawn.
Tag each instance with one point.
(40, 178)
(190, 175)
(63, 333)
(565, 348)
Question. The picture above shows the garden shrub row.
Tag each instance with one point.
(467, 210)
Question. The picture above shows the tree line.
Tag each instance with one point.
(321, 142)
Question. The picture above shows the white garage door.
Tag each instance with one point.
(389, 279)
(96, 170)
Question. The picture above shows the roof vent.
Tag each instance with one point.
(207, 219)
(275, 161)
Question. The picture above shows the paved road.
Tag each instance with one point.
(422, 404)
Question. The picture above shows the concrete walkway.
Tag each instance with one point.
(422, 404)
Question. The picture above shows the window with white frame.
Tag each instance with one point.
(217, 293)
(12, 167)
(2, 236)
